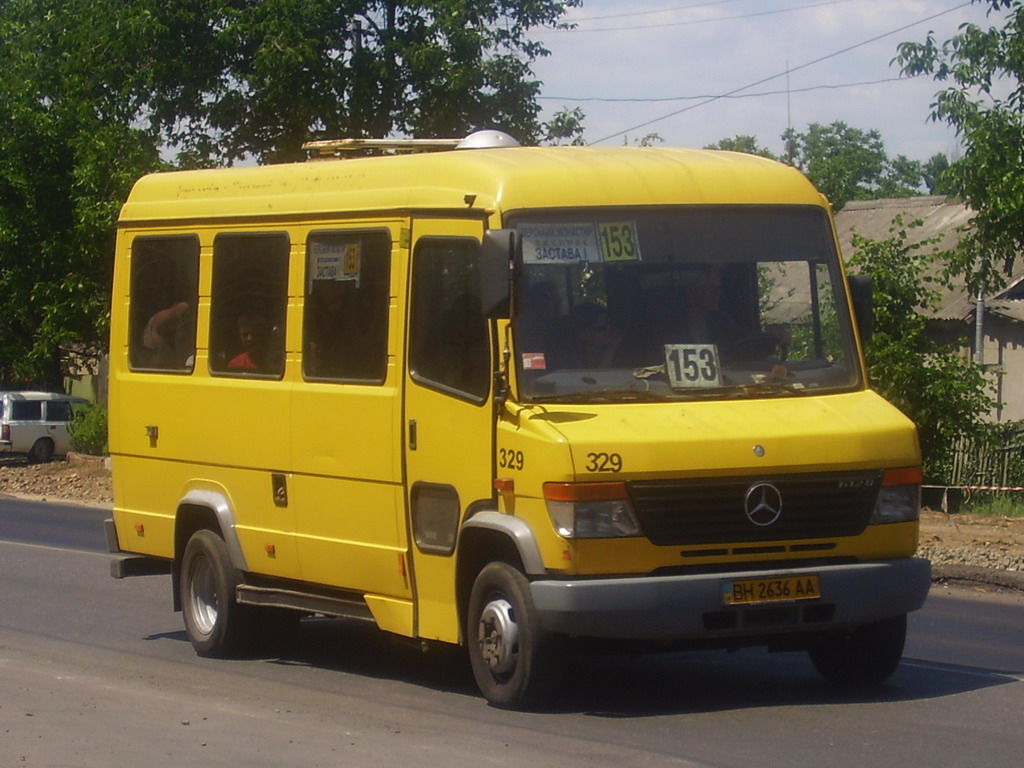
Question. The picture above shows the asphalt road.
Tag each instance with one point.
(97, 672)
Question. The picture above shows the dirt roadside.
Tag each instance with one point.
(975, 550)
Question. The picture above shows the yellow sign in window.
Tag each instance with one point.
(618, 241)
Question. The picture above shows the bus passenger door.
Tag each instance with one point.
(448, 411)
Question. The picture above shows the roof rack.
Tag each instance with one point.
(333, 148)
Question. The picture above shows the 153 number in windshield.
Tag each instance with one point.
(693, 365)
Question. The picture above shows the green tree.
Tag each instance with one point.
(95, 91)
(901, 177)
(64, 168)
(565, 127)
(934, 175)
(845, 163)
(743, 143)
(944, 393)
(981, 70)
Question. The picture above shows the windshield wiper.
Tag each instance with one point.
(610, 395)
(751, 389)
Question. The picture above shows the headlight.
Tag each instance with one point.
(899, 500)
(590, 510)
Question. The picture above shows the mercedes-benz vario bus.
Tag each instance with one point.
(514, 398)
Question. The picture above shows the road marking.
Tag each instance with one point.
(961, 670)
(106, 555)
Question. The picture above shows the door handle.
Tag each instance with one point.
(412, 434)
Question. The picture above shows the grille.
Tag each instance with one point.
(683, 512)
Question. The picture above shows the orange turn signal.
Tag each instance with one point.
(903, 476)
(584, 491)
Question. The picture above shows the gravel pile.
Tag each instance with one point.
(1002, 559)
(80, 479)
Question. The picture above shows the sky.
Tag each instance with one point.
(656, 66)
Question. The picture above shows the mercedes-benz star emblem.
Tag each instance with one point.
(763, 504)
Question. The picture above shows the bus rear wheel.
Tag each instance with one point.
(216, 625)
(516, 662)
(863, 658)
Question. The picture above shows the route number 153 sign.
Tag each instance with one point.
(692, 365)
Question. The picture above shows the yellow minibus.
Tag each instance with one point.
(514, 398)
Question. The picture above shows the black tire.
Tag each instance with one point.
(863, 658)
(42, 451)
(516, 662)
(216, 625)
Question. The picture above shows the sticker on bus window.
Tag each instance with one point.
(618, 241)
(534, 361)
(692, 365)
(560, 243)
(335, 261)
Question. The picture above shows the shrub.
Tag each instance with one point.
(88, 430)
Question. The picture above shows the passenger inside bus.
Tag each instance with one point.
(169, 338)
(595, 340)
(253, 334)
(704, 321)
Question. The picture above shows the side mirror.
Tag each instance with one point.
(500, 254)
(863, 309)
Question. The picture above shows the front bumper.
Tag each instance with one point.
(691, 607)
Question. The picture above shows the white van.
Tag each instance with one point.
(35, 424)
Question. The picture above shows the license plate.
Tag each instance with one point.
(771, 590)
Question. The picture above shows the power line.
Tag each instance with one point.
(731, 95)
(651, 13)
(797, 68)
(755, 14)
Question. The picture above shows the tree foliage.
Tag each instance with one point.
(565, 127)
(96, 92)
(848, 163)
(64, 168)
(935, 177)
(946, 394)
(845, 163)
(982, 99)
(743, 143)
(839, 159)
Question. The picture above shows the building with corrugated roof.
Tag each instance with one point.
(954, 320)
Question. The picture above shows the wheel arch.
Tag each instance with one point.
(489, 537)
(198, 510)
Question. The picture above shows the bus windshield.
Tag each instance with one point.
(680, 303)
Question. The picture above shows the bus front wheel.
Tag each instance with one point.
(516, 662)
(216, 625)
(865, 657)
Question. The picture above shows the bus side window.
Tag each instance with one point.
(448, 340)
(345, 320)
(248, 304)
(162, 305)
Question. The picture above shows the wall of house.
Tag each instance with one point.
(1004, 353)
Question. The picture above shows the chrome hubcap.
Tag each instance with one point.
(203, 592)
(498, 636)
